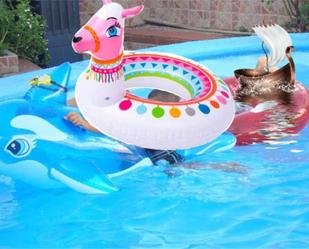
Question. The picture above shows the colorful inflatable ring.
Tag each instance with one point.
(207, 111)
(101, 91)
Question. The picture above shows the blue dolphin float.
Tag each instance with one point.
(38, 146)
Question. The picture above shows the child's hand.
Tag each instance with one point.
(72, 102)
(75, 119)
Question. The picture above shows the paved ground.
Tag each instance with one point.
(24, 67)
(27, 66)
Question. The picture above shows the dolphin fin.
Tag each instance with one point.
(42, 128)
(82, 176)
(51, 88)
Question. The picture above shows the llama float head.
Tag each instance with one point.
(103, 35)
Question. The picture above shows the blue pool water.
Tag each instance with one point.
(249, 197)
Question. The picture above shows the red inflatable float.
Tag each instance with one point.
(260, 120)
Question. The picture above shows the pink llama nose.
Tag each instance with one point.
(83, 41)
(77, 39)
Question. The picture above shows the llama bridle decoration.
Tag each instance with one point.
(102, 37)
(206, 109)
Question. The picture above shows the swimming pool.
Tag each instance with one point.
(249, 197)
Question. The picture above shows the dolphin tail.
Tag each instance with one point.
(51, 88)
(82, 176)
(61, 75)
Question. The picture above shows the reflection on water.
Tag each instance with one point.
(227, 167)
(279, 123)
(277, 116)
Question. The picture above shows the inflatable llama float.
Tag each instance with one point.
(206, 109)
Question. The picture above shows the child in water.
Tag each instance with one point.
(262, 63)
(163, 157)
(156, 156)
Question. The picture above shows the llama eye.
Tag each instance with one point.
(113, 31)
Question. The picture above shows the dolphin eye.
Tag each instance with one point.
(18, 147)
(113, 31)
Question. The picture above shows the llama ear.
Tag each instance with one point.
(106, 1)
(132, 11)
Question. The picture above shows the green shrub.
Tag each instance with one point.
(298, 11)
(5, 22)
(25, 32)
(301, 23)
(242, 29)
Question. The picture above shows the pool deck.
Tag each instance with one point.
(164, 36)
(148, 36)
(203, 50)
